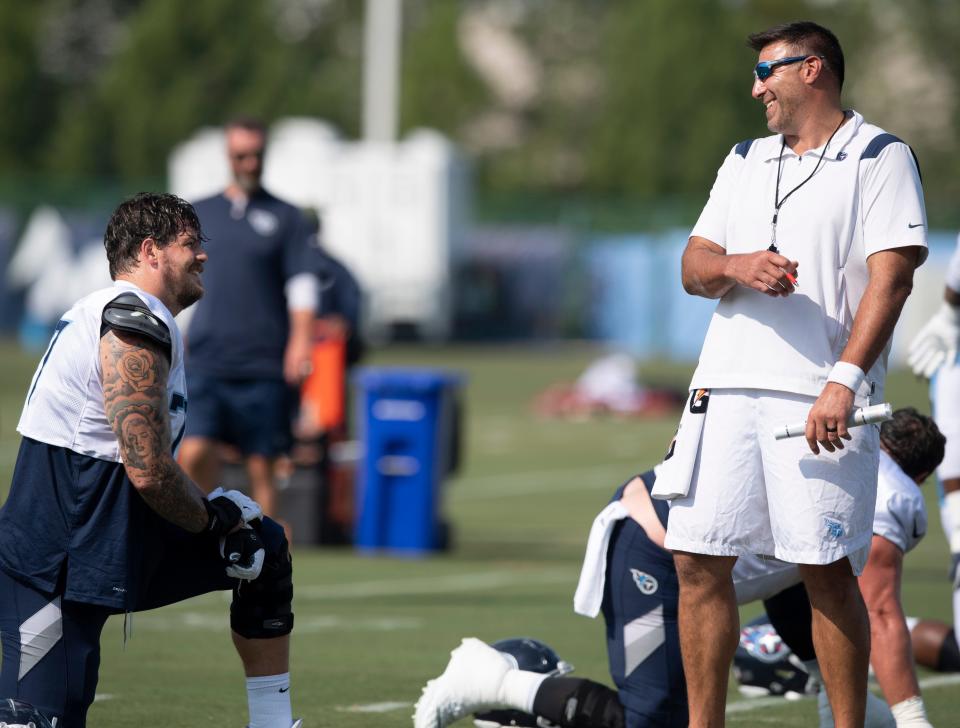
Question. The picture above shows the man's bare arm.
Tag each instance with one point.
(134, 375)
(296, 358)
(708, 271)
(891, 280)
(890, 653)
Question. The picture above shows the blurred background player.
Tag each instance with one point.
(631, 578)
(100, 519)
(933, 354)
(249, 339)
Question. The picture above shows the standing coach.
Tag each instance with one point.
(250, 339)
(809, 239)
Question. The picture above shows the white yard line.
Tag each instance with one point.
(320, 623)
(385, 707)
(433, 584)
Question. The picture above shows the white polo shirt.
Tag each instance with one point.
(865, 197)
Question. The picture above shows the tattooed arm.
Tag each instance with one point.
(134, 375)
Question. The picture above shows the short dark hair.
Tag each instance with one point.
(807, 37)
(250, 123)
(914, 441)
(154, 215)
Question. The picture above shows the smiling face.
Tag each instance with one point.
(783, 92)
(181, 265)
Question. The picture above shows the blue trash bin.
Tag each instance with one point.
(409, 429)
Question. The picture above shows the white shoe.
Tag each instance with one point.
(470, 683)
(298, 723)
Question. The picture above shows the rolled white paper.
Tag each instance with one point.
(862, 416)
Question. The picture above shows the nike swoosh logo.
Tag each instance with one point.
(912, 225)
(283, 690)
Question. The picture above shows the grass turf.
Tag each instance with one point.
(371, 629)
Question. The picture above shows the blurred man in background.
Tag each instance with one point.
(840, 199)
(100, 520)
(249, 339)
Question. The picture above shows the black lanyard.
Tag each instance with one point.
(777, 202)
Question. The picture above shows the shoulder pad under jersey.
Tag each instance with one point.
(128, 313)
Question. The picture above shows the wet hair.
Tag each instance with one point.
(807, 37)
(914, 441)
(154, 215)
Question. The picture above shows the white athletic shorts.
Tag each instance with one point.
(945, 395)
(752, 494)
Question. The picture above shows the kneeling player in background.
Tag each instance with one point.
(630, 577)
(100, 520)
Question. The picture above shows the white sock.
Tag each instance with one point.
(910, 713)
(268, 700)
(519, 688)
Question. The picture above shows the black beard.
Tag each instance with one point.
(185, 292)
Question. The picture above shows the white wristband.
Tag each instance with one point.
(849, 375)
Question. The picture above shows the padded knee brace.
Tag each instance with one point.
(949, 658)
(574, 702)
(262, 608)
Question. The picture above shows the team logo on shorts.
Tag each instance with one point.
(645, 583)
(699, 400)
(834, 528)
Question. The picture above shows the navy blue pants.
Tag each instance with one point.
(51, 646)
(641, 596)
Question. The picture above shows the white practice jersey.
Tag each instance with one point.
(64, 405)
(900, 517)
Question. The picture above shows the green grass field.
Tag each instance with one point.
(371, 630)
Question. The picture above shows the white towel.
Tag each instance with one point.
(589, 595)
(676, 470)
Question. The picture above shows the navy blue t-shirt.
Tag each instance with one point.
(76, 523)
(241, 324)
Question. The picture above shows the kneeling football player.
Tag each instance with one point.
(100, 519)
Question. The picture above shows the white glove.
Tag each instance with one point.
(243, 553)
(249, 508)
(936, 344)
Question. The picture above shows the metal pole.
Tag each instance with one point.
(381, 69)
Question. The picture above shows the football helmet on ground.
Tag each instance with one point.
(765, 665)
(18, 714)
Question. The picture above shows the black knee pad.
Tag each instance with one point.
(575, 702)
(262, 608)
(596, 705)
(949, 659)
